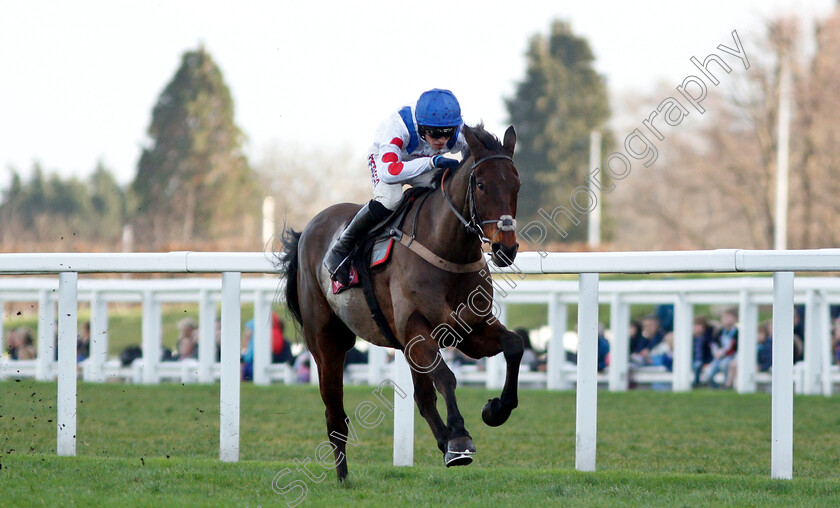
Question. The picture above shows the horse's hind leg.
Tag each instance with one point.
(426, 399)
(331, 342)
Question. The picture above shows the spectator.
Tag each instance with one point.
(835, 343)
(798, 333)
(724, 347)
(13, 343)
(603, 349)
(129, 354)
(187, 344)
(635, 335)
(663, 353)
(247, 355)
(26, 347)
(355, 356)
(764, 354)
(665, 312)
(217, 332)
(281, 350)
(83, 342)
(529, 357)
(651, 337)
(702, 337)
(302, 366)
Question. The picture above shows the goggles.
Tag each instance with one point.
(438, 132)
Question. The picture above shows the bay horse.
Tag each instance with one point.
(442, 299)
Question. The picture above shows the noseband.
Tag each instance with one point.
(474, 225)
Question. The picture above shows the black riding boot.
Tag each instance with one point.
(366, 218)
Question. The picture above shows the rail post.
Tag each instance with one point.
(587, 374)
(229, 384)
(781, 452)
(66, 389)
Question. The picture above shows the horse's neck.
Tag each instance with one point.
(443, 232)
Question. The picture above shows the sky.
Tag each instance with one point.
(80, 79)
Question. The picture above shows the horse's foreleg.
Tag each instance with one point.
(426, 399)
(423, 356)
(497, 411)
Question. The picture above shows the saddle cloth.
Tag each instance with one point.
(379, 255)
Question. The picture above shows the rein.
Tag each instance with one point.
(473, 226)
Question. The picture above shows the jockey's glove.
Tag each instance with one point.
(441, 162)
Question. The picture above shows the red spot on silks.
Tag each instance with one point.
(397, 142)
(390, 157)
(395, 168)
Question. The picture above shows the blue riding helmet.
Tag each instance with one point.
(438, 108)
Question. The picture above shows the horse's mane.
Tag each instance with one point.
(487, 139)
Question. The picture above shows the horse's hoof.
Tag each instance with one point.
(494, 413)
(459, 451)
(458, 458)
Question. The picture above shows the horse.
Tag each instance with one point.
(436, 293)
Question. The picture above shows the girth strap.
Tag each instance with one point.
(370, 296)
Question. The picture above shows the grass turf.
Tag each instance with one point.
(158, 445)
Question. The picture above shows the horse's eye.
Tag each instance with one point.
(480, 186)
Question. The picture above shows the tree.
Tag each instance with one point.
(10, 215)
(300, 193)
(194, 182)
(50, 212)
(554, 109)
(819, 105)
(108, 204)
(715, 185)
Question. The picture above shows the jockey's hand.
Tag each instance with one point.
(440, 162)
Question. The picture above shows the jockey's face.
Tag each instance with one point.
(436, 143)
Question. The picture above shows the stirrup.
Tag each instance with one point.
(344, 265)
(329, 257)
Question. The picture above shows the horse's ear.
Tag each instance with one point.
(475, 145)
(469, 137)
(510, 140)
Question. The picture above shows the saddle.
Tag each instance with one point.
(375, 248)
(373, 252)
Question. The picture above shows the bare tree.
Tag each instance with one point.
(305, 181)
(714, 183)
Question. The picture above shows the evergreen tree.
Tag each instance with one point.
(193, 181)
(107, 201)
(10, 215)
(34, 198)
(48, 208)
(554, 109)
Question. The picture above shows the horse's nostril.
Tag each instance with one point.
(504, 255)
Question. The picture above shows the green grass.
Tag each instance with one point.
(159, 445)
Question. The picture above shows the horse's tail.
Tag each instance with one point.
(287, 265)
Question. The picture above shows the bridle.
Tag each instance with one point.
(474, 225)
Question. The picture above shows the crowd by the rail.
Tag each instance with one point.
(714, 347)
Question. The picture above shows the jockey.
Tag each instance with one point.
(408, 147)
